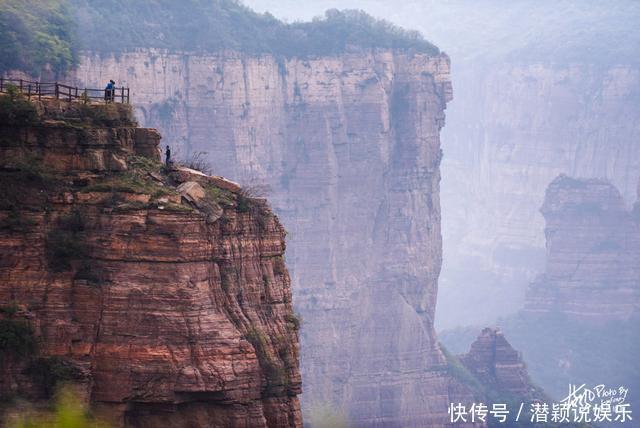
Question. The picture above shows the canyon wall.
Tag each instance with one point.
(542, 88)
(350, 147)
(593, 245)
(516, 128)
(579, 323)
(498, 366)
(162, 311)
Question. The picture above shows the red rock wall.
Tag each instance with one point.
(175, 319)
(350, 147)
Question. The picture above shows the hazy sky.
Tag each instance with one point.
(485, 29)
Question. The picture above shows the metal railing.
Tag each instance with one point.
(64, 92)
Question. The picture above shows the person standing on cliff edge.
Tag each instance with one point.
(168, 157)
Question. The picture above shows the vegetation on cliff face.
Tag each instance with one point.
(50, 372)
(64, 243)
(16, 338)
(560, 351)
(197, 25)
(69, 412)
(490, 395)
(35, 34)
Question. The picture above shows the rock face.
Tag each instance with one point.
(516, 128)
(165, 315)
(593, 245)
(496, 364)
(350, 147)
(550, 91)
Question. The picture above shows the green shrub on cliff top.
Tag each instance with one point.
(214, 25)
(15, 109)
(134, 181)
(40, 34)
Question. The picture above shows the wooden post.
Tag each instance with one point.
(56, 90)
(122, 95)
(29, 92)
(1, 84)
(20, 85)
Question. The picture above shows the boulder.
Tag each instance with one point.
(192, 191)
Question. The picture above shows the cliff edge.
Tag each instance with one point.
(161, 294)
(350, 146)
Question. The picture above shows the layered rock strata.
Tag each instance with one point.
(494, 362)
(593, 245)
(167, 309)
(350, 147)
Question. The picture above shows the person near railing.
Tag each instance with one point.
(110, 91)
(63, 92)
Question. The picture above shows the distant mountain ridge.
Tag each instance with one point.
(227, 24)
(48, 35)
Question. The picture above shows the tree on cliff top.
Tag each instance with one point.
(36, 34)
(214, 25)
(45, 34)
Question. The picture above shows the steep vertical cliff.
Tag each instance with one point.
(580, 321)
(162, 294)
(531, 123)
(593, 243)
(543, 88)
(350, 147)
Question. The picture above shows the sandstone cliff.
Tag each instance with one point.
(542, 88)
(579, 324)
(593, 244)
(498, 376)
(350, 147)
(496, 364)
(164, 305)
(517, 127)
